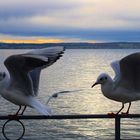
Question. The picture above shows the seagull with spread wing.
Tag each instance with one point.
(125, 87)
(21, 87)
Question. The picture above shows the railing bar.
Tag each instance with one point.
(56, 117)
(80, 116)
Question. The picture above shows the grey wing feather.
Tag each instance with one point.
(130, 71)
(35, 77)
(19, 66)
(116, 67)
(53, 54)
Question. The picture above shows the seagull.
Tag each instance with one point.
(55, 95)
(21, 85)
(125, 87)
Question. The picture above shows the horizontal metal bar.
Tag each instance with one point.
(79, 116)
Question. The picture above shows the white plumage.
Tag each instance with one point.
(125, 87)
(24, 70)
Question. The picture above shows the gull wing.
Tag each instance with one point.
(19, 67)
(130, 72)
(53, 54)
(116, 67)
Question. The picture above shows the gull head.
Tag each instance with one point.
(102, 79)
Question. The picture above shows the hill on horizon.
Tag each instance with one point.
(71, 45)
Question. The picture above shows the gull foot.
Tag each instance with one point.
(14, 116)
(124, 113)
(112, 114)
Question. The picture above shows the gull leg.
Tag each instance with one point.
(16, 114)
(114, 114)
(128, 108)
(127, 112)
(23, 110)
(18, 111)
(121, 108)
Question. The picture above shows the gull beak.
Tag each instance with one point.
(94, 84)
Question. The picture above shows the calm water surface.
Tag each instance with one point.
(77, 69)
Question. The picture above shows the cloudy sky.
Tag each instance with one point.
(69, 20)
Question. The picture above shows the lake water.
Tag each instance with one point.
(77, 69)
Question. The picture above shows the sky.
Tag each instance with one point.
(41, 21)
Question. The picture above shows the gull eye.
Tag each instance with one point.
(101, 79)
(105, 78)
(4, 74)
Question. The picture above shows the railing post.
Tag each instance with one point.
(117, 127)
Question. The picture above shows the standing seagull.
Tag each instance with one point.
(21, 87)
(125, 87)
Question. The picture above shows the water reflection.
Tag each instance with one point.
(77, 69)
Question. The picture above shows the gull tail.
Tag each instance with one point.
(44, 110)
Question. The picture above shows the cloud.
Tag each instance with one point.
(19, 9)
(70, 18)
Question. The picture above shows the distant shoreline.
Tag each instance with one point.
(110, 45)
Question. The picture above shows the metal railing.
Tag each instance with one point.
(117, 119)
